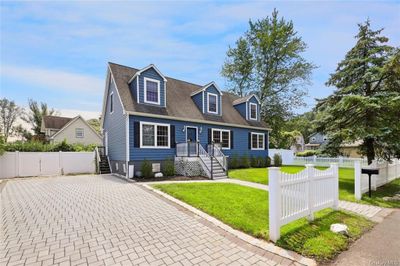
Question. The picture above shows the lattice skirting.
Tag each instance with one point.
(188, 167)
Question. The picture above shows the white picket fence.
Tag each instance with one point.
(388, 171)
(293, 196)
(326, 161)
(21, 164)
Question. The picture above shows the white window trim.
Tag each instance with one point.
(83, 133)
(145, 90)
(220, 136)
(112, 102)
(208, 102)
(252, 118)
(263, 142)
(197, 132)
(155, 136)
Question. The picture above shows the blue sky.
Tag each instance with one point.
(56, 52)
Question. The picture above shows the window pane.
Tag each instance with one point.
(162, 136)
(260, 141)
(148, 135)
(111, 103)
(212, 103)
(151, 91)
(225, 139)
(217, 136)
(254, 141)
(253, 111)
(79, 133)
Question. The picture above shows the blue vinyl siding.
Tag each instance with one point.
(114, 125)
(133, 88)
(242, 109)
(213, 90)
(151, 73)
(240, 139)
(254, 100)
(198, 100)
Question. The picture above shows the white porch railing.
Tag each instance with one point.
(293, 196)
(215, 151)
(187, 149)
(326, 161)
(388, 171)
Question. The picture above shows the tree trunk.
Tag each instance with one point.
(370, 149)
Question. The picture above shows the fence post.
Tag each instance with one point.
(357, 179)
(335, 170)
(310, 194)
(274, 203)
(17, 163)
(315, 158)
(59, 161)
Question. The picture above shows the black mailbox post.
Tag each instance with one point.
(369, 172)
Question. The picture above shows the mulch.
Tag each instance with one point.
(171, 178)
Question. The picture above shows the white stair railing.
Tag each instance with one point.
(216, 152)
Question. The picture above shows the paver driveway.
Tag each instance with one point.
(103, 220)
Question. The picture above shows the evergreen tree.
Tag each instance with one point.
(363, 105)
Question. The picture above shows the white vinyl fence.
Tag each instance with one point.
(293, 196)
(20, 164)
(387, 173)
(326, 161)
(287, 155)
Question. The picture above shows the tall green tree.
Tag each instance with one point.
(35, 115)
(272, 49)
(95, 124)
(9, 112)
(363, 106)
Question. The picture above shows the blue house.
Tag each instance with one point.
(148, 116)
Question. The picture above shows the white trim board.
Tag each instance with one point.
(146, 68)
(208, 103)
(145, 79)
(253, 104)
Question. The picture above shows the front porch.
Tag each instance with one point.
(212, 161)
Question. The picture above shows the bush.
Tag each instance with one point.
(267, 161)
(169, 167)
(307, 153)
(38, 146)
(253, 161)
(146, 169)
(277, 159)
(233, 162)
(261, 162)
(244, 161)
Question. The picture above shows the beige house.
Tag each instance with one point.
(73, 130)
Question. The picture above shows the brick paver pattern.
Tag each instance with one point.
(101, 220)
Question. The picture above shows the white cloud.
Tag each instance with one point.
(54, 79)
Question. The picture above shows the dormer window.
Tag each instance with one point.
(151, 91)
(253, 111)
(212, 103)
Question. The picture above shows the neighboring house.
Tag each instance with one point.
(316, 140)
(148, 116)
(351, 149)
(73, 130)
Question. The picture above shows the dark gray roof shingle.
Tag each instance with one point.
(55, 122)
(179, 101)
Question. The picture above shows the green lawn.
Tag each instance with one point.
(246, 209)
(346, 184)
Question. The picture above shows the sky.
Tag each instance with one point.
(57, 52)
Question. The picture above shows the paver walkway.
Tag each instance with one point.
(381, 246)
(101, 220)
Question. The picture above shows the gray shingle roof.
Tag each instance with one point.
(179, 101)
(55, 122)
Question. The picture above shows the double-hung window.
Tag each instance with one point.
(222, 136)
(257, 141)
(154, 135)
(111, 103)
(79, 133)
(253, 111)
(212, 100)
(151, 91)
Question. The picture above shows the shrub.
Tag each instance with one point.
(253, 161)
(244, 161)
(233, 162)
(307, 153)
(169, 167)
(146, 169)
(277, 159)
(261, 161)
(267, 161)
(38, 146)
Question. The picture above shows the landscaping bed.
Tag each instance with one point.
(346, 184)
(246, 209)
(171, 178)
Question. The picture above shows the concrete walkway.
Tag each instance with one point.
(381, 246)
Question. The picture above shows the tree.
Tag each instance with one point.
(271, 49)
(9, 112)
(365, 104)
(34, 117)
(303, 123)
(238, 67)
(95, 124)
